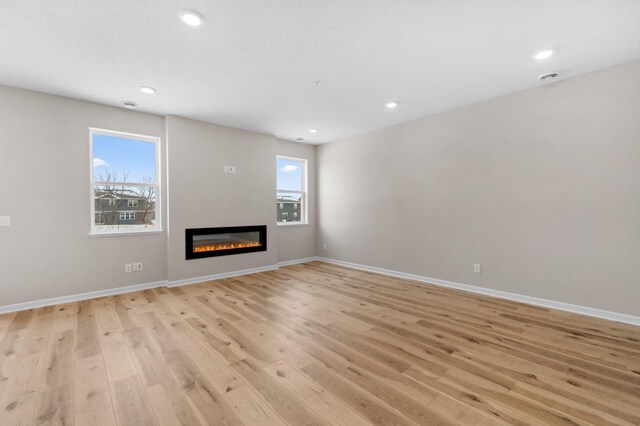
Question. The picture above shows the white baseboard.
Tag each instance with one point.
(127, 289)
(78, 297)
(584, 310)
(196, 280)
(297, 261)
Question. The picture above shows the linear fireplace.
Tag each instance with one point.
(210, 242)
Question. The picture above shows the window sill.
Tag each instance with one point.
(288, 224)
(124, 234)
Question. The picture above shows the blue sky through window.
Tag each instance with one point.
(290, 174)
(118, 155)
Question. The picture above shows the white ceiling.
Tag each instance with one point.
(253, 64)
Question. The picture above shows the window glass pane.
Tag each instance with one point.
(124, 208)
(119, 159)
(287, 210)
(290, 174)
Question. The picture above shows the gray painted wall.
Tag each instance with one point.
(44, 187)
(541, 187)
(203, 196)
(299, 241)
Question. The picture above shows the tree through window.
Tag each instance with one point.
(125, 183)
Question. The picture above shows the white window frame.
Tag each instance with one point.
(157, 228)
(305, 190)
(132, 202)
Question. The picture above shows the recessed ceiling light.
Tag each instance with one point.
(391, 105)
(191, 18)
(129, 104)
(148, 90)
(544, 54)
(313, 130)
(300, 139)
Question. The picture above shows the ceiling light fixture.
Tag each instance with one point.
(300, 139)
(313, 130)
(544, 54)
(148, 90)
(391, 105)
(129, 104)
(191, 18)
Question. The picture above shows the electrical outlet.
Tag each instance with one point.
(476, 268)
(232, 169)
(137, 267)
(5, 220)
(127, 267)
(226, 169)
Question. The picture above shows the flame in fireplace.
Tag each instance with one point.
(224, 246)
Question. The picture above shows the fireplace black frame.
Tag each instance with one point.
(190, 233)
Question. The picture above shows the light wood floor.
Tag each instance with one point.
(314, 344)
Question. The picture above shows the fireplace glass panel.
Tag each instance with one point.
(209, 242)
(213, 242)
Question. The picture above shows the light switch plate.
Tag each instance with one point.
(5, 220)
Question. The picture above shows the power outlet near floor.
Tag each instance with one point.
(137, 267)
(128, 267)
(476, 268)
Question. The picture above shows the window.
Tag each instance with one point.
(124, 167)
(291, 195)
(127, 215)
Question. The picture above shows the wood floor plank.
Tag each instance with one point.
(315, 396)
(93, 406)
(87, 339)
(117, 358)
(199, 390)
(56, 407)
(131, 403)
(170, 405)
(60, 359)
(149, 362)
(251, 408)
(288, 406)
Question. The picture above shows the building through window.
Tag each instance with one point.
(291, 195)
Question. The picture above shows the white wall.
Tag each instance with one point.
(44, 187)
(541, 187)
(299, 241)
(202, 195)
